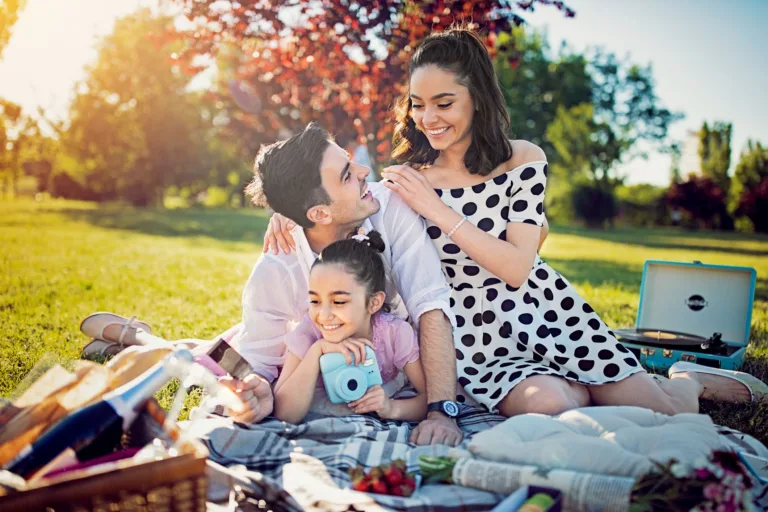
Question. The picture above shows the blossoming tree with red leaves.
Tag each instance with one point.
(342, 63)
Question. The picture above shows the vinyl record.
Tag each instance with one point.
(660, 337)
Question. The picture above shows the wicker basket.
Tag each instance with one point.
(177, 484)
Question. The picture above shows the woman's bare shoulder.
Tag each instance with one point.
(523, 152)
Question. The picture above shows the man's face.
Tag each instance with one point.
(344, 180)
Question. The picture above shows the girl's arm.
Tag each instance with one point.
(296, 386)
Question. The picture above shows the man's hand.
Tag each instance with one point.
(436, 429)
(255, 393)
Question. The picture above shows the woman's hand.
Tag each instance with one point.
(278, 235)
(353, 349)
(415, 190)
(374, 400)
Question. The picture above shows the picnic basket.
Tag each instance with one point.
(168, 485)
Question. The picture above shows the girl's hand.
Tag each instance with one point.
(278, 235)
(415, 190)
(353, 349)
(374, 400)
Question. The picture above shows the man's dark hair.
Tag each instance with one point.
(286, 175)
(460, 51)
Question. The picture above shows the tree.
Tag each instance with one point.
(338, 62)
(9, 15)
(16, 130)
(715, 152)
(134, 129)
(750, 184)
(701, 198)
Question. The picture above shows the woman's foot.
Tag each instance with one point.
(722, 385)
(114, 328)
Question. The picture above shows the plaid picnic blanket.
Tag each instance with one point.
(339, 443)
(304, 467)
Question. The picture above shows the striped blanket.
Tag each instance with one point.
(304, 467)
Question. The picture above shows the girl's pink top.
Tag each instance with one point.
(394, 342)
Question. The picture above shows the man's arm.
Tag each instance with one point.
(268, 308)
(420, 281)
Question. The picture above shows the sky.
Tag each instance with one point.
(708, 57)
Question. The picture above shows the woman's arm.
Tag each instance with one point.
(296, 386)
(510, 260)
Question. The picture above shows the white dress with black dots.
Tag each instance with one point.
(506, 334)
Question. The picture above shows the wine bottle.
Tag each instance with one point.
(117, 409)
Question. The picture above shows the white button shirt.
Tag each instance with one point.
(276, 297)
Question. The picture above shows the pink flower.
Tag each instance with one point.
(712, 492)
(703, 473)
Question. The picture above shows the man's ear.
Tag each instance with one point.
(376, 302)
(320, 214)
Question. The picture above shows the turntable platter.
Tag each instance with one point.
(660, 337)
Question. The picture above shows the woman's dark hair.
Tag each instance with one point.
(362, 259)
(460, 51)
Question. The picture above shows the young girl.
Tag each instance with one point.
(347, 312)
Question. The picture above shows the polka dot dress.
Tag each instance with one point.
(505, 334)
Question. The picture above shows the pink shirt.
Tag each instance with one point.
(394, 342)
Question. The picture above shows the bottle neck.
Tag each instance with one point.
(128, 399)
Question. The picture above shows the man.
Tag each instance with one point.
(311, 180)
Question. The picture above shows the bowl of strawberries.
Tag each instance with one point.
(391, 479)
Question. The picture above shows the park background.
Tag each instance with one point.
(128, 131)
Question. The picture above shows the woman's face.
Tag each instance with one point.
(440, 106)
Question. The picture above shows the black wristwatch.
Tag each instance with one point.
(447, 407)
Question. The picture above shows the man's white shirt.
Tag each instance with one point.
(275, 297)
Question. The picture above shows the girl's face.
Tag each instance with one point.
(338, 305)
(441, 107)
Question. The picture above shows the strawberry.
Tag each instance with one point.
(406, 490)
(379, 486)
(399, 464)
(409, 481)
(356, 473)
(376, 473)
(361, 485)
(393, 476)
(397, 490)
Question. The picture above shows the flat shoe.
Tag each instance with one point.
(757, 388)
(94, 325)
(100, 350)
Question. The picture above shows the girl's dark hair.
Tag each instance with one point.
(460, 51)
(362, 259)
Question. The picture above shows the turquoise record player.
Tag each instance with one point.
(692, 312)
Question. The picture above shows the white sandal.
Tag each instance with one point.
(94, 325)
(757, 388)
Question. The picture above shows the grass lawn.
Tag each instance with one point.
(182, 271)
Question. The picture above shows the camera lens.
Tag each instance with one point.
(352, 385)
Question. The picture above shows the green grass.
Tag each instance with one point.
(183, 271)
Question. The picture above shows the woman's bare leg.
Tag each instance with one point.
(670, 397)
(544, 394)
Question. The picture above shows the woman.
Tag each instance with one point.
(525, 342)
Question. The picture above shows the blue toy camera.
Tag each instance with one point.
(345, 383)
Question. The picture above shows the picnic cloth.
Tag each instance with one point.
(304, 467)
(620, 441)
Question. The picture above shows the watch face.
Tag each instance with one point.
(450, 408)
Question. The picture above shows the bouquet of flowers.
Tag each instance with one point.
(720, 483)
